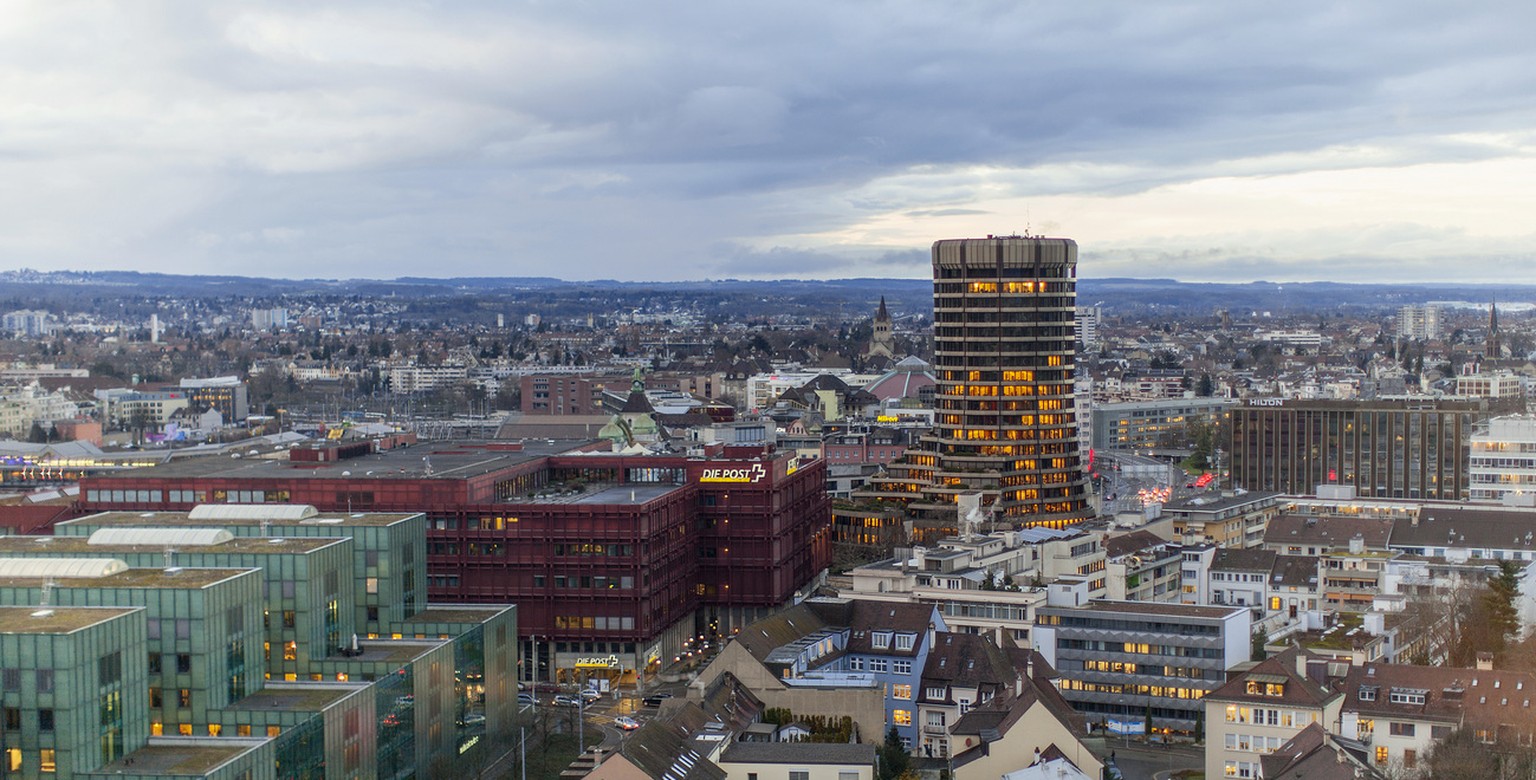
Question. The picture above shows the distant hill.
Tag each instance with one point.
(854, 298)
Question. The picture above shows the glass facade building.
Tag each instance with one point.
(1006, 417)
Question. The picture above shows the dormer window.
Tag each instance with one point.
(1407, 696)
(880, 640)
(1368, 693)
(1266, 688)
(905, 641)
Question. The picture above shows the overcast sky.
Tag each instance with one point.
(1382, 141)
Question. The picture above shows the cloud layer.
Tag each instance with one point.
(683, 141)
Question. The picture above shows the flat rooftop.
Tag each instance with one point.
(1215, 502)
(1152, 608)
(609, 495)
(26, 546)
(456, 613)
(193, 757)
(308, 698)
(433, 460)
(393, 651)
(179, 579)
(56, 620)
(179, 519)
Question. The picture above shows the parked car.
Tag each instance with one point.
(591, 694)
(567, 701)
(527, 698)
(473, 719)
(627, 723)
(655, 700)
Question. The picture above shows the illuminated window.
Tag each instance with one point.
(156, 728)
(273, 731)
(184, 729)
(901, 717)
(214, 729)
(1381, 755)
(45, 756)
(901, 691)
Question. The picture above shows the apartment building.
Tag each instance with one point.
(1257, 712)
(1123, 663)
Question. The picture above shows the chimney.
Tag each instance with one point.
(1485, 661)
(933, 636)
(1301, 665)
(997, 636)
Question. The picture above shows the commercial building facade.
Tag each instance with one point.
(626, 558)
(1159, 424)
(254, 636)
(1503, 461)
(1137, 665)
(1384, 448)
(1004, 355)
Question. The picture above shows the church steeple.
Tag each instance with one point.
(882, 341)
(1493, 348)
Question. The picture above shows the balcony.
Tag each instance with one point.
(938, 729)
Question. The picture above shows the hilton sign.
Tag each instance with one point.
(734, 475)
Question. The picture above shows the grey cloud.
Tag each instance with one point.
(496, 138)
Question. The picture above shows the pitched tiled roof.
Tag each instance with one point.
(871, 616)
(1294, 570)
(1135, 541)
(1331, 531)
(661, 749)
(1441, 526)
(1229, 559)
(992, 721)
(637, 403)
(762, 637)
(1280, 671)
(799, 753)
(1486, 698)
(1315, 754)
(969, 661)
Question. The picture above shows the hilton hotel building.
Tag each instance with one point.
(1404, 447)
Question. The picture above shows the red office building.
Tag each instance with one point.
(617, 563)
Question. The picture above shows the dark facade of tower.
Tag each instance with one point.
(1004, 356)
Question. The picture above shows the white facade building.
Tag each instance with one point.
(268, 319)
(1503, 461)
(20, 407)
(27, 322)
(1420, 322)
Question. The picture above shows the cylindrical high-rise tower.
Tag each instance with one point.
(1004, 354)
